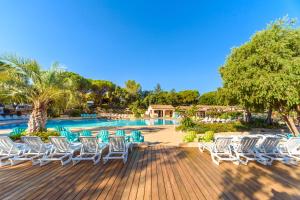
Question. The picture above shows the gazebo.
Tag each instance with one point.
(161, 111)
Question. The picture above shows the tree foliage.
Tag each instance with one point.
(265, 71)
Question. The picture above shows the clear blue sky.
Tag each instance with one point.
(179, 44)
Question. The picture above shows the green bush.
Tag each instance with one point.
(17, 136)
(260, 123)
(75, 112)
(186, 124)
(231, 115)
(208, 136)
(45, 135)
(190, 136)
(219, 127)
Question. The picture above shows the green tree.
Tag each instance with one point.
(101, 91)
(157, 88)
(133, 90)
(265, 71)
(188, 97)
(26, 81)
(209, 98)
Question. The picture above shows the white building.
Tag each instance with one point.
(160, 111)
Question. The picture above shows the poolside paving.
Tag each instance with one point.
(155, 172)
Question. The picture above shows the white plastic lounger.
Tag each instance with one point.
(118, 149)
(10, 149)
(36, 149)
(62, 150)
(245, 149)
(205, 146)
(291, 149)
(267, 151)
(90, 150)
(221, 150)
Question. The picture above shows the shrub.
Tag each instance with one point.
(208, 136)
(190, 136)
(261, 123)
(219, 127)
(45, 135)
(75, 112)
(186, 124)
(17, 136)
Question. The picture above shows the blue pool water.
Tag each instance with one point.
(90, 123)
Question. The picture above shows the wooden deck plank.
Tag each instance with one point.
(189, 176)
(42, 189)
(174, 167)
(210, 171)
(89, 192)
(136, 180)
(115, 186)
(160, 179)
(142, 181)
(157, 172)
(68, 184)
(84, 191)
(173, 182)
(147, 194)
(107, 177)
(117, 190)
(165, 176)
(26, 184)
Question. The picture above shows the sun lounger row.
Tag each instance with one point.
(13, 117)
(261, 148)
(216, 120)
(135, 136)
(60, 149)
(84, 115)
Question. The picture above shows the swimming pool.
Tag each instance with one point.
(90, 123)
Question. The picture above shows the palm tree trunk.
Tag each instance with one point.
(38, 118)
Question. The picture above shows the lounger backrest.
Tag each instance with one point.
(117, 144)
(293, 145)
(222, 144)
(120, 133)
(269, 144)
(7, 145)
(85, 133)
(60, 143)
(89, 144)
(103, 135)
(247, 144)
(34, 143)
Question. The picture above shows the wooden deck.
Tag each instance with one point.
(156, 172)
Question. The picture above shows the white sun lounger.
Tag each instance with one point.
(62, 150)
(118, 149)
(290, 149)
(90, 150)
(10, 149)
(245, 149)
(267, 151)
(220, 150)
(36, 149)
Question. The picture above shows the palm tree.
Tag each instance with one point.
(25, 81)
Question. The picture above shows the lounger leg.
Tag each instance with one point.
(44, 162)
(215, 160)
(69, 156)
(201, 148)
(4, 163)
(125, 159)
(97, 159)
